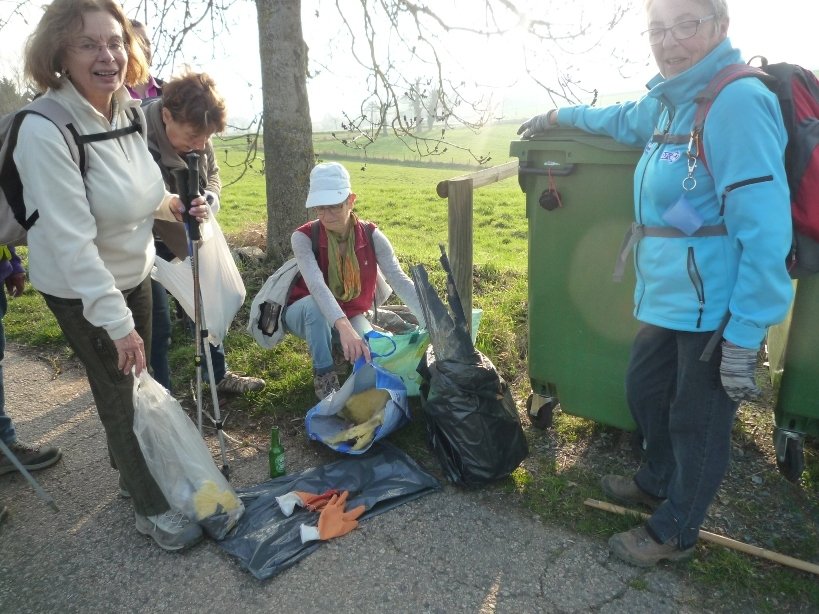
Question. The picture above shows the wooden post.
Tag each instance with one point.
(458, 192)
(460, 241)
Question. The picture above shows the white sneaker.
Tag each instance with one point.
(171, 530)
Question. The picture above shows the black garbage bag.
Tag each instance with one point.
(472, 422)
(267, 542)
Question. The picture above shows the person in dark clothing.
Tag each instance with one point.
(183, 120)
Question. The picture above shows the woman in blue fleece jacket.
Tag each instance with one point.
(725, 231)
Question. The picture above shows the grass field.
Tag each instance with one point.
(565, 462)
(460, 146)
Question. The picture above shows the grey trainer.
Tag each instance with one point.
(625, 490)
(638, 548)
(171, 530)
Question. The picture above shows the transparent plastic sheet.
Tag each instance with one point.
(179, 460)
(473, 425)
(267, 542)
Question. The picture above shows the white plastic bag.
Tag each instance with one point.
(223, 290)
(179, 460)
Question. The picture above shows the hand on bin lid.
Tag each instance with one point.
(537, 125)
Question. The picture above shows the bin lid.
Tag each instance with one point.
(576, 143)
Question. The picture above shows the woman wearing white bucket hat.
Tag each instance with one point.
(338, 287)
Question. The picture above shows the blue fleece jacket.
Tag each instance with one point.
(691, 283)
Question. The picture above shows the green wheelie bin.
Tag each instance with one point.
(579, 204)
(793, 360)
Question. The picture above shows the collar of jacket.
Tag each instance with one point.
(79, 107)
(683, 87)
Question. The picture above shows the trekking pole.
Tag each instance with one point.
(200, 324)
(26, 474)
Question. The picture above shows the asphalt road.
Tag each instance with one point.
(451, 551)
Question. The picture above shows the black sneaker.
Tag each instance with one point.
(30, 457)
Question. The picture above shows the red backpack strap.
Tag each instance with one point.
(706, 98)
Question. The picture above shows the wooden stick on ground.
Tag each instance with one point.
(782, 559)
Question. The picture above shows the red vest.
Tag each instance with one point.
(367, 264)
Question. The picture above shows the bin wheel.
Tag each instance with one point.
(793, 462)
(541, 414)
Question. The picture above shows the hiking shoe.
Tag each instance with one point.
(325, 384)
(171, 530)
(30, 457)
(638, 548)
(625, 490)
(236, 383)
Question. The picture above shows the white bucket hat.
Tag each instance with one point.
(329, 185)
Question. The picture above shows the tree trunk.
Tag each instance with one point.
(288, 142)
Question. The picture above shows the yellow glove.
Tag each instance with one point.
(209, 500)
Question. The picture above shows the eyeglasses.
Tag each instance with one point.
(330, 208)
(89, 48)
(680, 31)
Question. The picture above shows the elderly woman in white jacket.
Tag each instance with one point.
(91, 249)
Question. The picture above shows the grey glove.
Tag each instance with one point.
(539, 124)
(737, 372)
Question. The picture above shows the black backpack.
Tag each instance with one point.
(14, 224)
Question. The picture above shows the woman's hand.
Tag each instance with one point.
(130, 353)
(351, 343)
(199, 209)
(538, 125)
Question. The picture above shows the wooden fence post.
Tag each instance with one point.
(458, 192)
(460, 241)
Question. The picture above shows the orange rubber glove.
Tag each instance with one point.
(311, 501)
(333, 520)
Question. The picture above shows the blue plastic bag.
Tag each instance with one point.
(323, 422)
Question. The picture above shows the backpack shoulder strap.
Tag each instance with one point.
(60, 117)
(705, 99)
(10, 176)
(137, 124)
(729, 74)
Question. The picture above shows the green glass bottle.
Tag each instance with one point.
(276, 454)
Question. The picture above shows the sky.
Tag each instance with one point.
(784, 30)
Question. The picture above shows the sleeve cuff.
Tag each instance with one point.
(309, 534)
